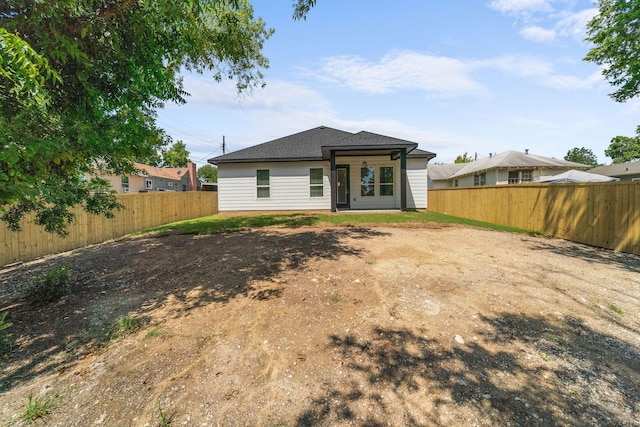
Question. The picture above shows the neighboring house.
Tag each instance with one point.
(629, 171)
(324, 168)
(510, 167)
(152, 178)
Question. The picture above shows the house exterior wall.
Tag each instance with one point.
(416, 183)
(289, 185)
(500, 176)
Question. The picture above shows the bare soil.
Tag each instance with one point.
(371, 326)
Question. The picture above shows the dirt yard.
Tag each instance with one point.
(418, 325)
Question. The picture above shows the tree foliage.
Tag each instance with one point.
(80, 83)
(208, 172)
(624, 148)
(615, 33)
(177, 156)
(463, 158)
(582, 155)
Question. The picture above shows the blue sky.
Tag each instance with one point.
(455, 76)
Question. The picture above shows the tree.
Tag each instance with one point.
(464, 158)
(80, 84)
(208, 172)
(177, 156)
(624, 148)
(614, 31)
(582, 155)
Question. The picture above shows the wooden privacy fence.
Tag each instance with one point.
(599, 214)
(140, 211)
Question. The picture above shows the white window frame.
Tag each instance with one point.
(315, 185)
(371, 184)
(124, 183)
(387, 185)
(263, 186)
(148, 184)
(480, 179)
(521, 176)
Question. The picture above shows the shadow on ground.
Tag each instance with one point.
(506, 387)
(621, 260)
(134, 277)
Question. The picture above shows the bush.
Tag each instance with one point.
(50, 286)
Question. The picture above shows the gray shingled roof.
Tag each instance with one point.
(619, 169)
(515, 159)
(441, 172)
(308, 145)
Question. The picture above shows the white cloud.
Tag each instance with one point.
(208, 93)
(520, 6)
(575, 24)
(538, 34)
(439, 75)
(540, 72)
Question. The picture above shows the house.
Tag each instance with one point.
(510, 167)
(629, 171)
(152, 178)
(324, 168)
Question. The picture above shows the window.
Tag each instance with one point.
(386, 181)
(148, 184)
(262, 180)
(367, 181)
(125, 184)
(316, 188)
(480, 179)
(517, 177)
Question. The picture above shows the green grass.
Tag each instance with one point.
(616, 309)
(122, 326)
(226, 223)
(39, 408)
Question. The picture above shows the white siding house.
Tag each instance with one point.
(510, 167)
(295, 173)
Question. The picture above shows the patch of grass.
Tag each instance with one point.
(228, 223)
(336, 297)
(165, 421)
(49, 287)
(554, 338)
(39, 408)
(616, 309)
(5, 337)
(123, 325)
(152, 333)
(544, 356)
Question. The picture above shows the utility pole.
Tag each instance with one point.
(224, 146)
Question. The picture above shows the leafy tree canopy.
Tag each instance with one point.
(614, 31)
(624, 148)
(80, 83)
(582, 155)
(464, 158)
(208, 172)
(177, 156)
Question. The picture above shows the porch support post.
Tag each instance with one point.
(333, 182)
(403, 179)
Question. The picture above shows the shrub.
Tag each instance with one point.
(50, 286)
